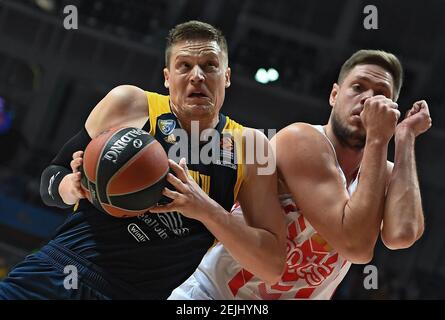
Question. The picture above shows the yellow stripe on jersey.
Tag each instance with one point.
(215, 242)
(237, 133)
(157, 104)
(205, 183)
(202, 180)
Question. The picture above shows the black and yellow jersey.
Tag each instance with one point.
(220, 179)
(155, 253)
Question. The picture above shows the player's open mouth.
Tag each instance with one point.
(197, 95)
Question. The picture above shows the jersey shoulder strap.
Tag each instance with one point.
(158, 104)
(235, 130)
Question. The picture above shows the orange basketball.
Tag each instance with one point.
(124, 171)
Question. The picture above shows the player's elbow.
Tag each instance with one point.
(275, 268)
(271, 272)
(403, 237)
(363, 257)
(359, 253)
(278, 271)
(274, 275)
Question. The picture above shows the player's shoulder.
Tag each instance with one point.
(124, 96)
(122, 105)
(302, 148)
(302, 135)
(300, 128)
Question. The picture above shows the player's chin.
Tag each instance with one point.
(204, 108)
(359, 135)
(358, 138)
(357, 132)
(355, 125)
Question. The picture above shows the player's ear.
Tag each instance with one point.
(333, 95)
(166, 77)
(227, 75)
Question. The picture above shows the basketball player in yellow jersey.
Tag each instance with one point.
(112, 264)
(197, 75)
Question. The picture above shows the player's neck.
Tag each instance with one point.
(189, 123)
(350, 161)
(348, 158)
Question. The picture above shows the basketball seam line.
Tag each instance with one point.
(123, 209)
(128, 163)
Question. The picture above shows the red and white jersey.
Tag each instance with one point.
(313, 268)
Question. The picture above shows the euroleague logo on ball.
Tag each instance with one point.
(137, 143)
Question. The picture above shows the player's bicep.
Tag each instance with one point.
(119, 107)
(258, 194)
(320, 194)
(307, 165)
(258, 198)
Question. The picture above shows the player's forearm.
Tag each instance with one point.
(363, 212)
(257, 250)
(403, 216)
(49, 186)
(60, 167)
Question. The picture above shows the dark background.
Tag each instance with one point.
(51, 78)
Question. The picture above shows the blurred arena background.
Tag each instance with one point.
(50, 78)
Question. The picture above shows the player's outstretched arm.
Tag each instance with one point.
(403, 221)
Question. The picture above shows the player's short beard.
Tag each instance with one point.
(345, 136)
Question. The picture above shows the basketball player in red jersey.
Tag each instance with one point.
(171, 240)
(337, 189)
